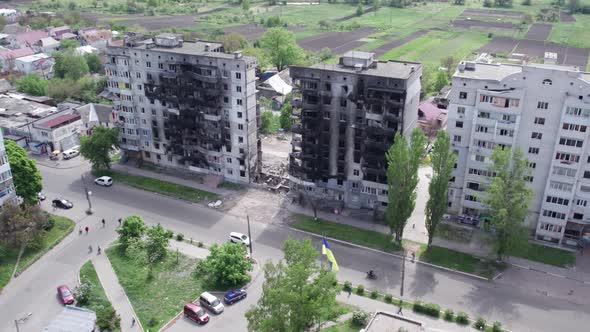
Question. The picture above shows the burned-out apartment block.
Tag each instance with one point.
(186, 105)
(346, 116)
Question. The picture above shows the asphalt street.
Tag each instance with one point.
(516, 299)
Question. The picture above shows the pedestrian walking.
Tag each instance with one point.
(86, 229)
(103, 223)
(80, 230)
(119, 221)
(89, 248)
(132, 321)
(349, 289)
(98, 250)
(401, 305)
(413, 225)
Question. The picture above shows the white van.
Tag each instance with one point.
(69, 154)
(210, 302)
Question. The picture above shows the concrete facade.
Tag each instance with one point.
(7, 190)
(345, 122)
(545, 111)
(186, 105)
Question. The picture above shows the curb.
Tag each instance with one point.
(549, 273)
(393, 255)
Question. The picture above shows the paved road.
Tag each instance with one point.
(517, 306)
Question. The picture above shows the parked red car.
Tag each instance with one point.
(196, 313)
(65, 294)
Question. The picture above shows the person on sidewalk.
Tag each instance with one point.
(89, 248)
(401, 306)
(86, 229)
(80, 230)
(132, 321)
(103, 223)
(119, 222)
(98, 250)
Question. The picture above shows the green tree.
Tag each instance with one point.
(156, 243)
(260, 55)
(227, 265)
(246, 5)
(508, 198)
(285, 117)
(268, 122)
(297, 292)
(442, 159)
(97, 146)
(93, 62)
(280, 47)
(573, 6)
(68, 44)
(132, 228)
(32, 84)
(25, 175)
(21, 225)
(233, 41)
(69, 66)
(440, 81)
(449, 63)
(403, 160)
(359, 10)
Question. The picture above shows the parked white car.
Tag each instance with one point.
(106, 181)
(69, 154)
(239, 238)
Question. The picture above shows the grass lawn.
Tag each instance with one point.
(63, 226)
(575, 34)
(346, 326)
(98, 298)
(163, 187)
(347, 233)
(454, 233)
(161, 297)
(435, 45)
(545, 255)
(458, 261)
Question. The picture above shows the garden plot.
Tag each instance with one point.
(468, 24)
(490, 13)
(566, 17)
(154, 22)
(337, 42)
(570, 56)
(379, 51)
(539, 31)
(500, 45)
(250, 31)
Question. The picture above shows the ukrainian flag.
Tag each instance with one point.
(329, 255)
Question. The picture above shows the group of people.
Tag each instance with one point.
(87, 229)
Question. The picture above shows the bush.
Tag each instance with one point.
(179, 237)
(200, 244)
(359, 318)
(497, 327)
(449, 315)
(526, 2)
(374, 294)
(49, 222)
(429, 309)
(169, 234)
(462, 318)
(360, 289)
(388, 298)
(82, 293)
(107, 319)
(152, 322)
(480, 324)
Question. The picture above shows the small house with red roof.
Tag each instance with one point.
(8, 57)
(61, 130)
(27, 39)
(431, 118)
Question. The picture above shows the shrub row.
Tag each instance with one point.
(430, 309)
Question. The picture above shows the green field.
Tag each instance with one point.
(435, 45)
(63, 226)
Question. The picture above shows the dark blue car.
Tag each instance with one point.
(234, 296)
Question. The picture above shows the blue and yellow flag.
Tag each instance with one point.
(329, 255)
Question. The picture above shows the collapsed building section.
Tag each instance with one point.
(344, 122)
(186, 105)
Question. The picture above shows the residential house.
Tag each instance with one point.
(60, 131)
(58, 32)
(431, 118)
(8, 57)
(97, 38)
(39, 63)
(14, 28)
(27, 39)
(95, 115)
(86, 49)
(276, 88)
(46, 45)
(17, 112)
(10, 15)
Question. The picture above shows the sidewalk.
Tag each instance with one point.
(115, 293)
(371, 306)
(61, 163)
(189, 249)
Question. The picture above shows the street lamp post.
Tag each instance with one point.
(88, 193)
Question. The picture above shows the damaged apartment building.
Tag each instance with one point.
(345, 121)
(185, 105)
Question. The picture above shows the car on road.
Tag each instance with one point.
(41, 197)
(234, 296)
(69, 154)
(62, 203)
(65, 295)
(196, 313)
(210, 302)
(106, 181)
(239, 238)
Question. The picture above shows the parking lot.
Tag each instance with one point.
(231, 319)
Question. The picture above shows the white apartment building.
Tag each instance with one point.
(544, 110)
(186, 105)
(7, 190)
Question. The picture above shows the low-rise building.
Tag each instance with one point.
(7, 57)
(46, 45)
(39, 63)
(95, 115)
(58, 32)
(27, 39)
(431, 118)
(97, 38)
(60, 131)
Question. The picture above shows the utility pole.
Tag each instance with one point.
(401, 287)
(16, 324)
(249, 235)
(88, 193)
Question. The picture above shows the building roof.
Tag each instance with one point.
(72, 319)
(14, 28)
(56, 30)
(391, 68)
(48, 41)
(5, 86)
(34, 57)
(67, 35)
(279, 85)
(30, 37)
(19, 52)
(60, 120)
(86, 49)
(15, 111)
(430, 110)
(94, 35)
(102, 112)
(359, 55)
